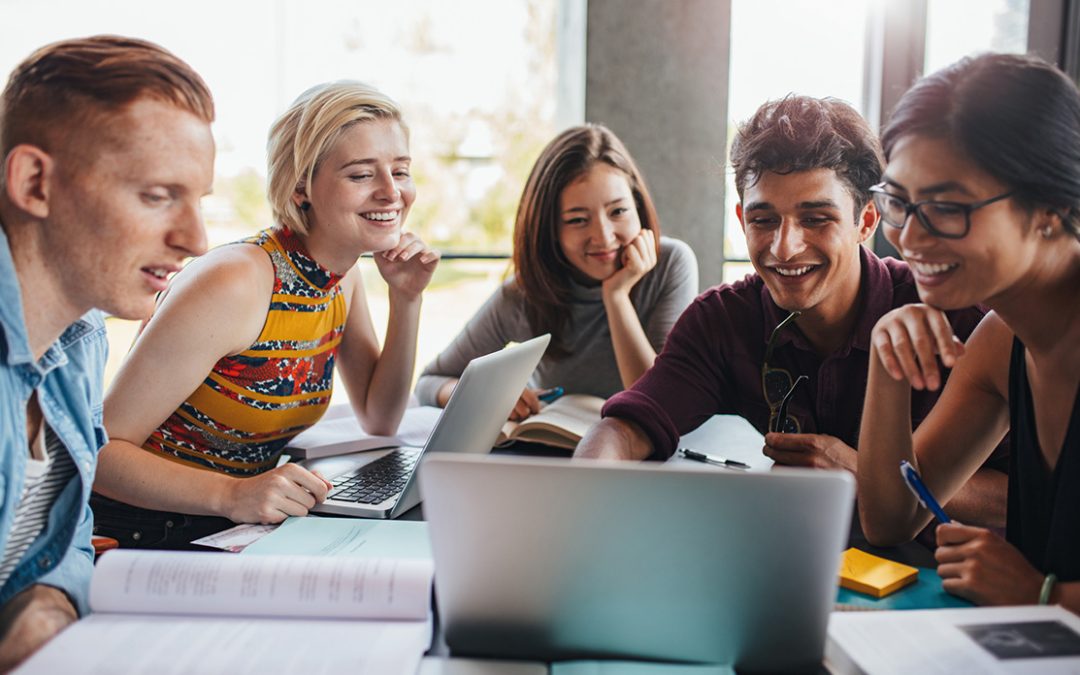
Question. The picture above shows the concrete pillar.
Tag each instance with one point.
(657, 74)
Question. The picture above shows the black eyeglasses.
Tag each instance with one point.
(950, 220)
(778, 386)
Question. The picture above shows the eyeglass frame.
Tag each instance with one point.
(924, 220)
(778, 411)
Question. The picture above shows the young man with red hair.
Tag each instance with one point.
(107, 151)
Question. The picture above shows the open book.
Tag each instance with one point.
(193, 612)
(339, 433)
(560, 423)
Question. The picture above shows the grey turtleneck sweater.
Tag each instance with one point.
(590, 368)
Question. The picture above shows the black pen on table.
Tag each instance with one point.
(712, 459)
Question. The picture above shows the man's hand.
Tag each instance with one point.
(818, 451)
(979, 565)
(29, 620)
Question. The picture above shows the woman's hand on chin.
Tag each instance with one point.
(407, 268)
(638, 257)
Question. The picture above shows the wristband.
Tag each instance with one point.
(1047, 588)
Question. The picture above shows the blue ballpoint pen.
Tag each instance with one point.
(549, 395)
(921, 492)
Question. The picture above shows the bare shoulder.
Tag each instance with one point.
(986, 361)
(226, 292)
(235, 271)
(352, 286)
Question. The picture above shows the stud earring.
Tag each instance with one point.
(305, 205)
(1046, 232)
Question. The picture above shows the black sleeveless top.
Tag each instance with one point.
(1044, 505)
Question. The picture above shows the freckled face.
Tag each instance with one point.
(124, 210)
(599, 218)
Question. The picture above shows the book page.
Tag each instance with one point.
(195, 583)
(117, 644)
(571, 415)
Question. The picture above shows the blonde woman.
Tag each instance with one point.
(240, 354)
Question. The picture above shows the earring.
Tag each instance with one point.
(1046, 231)
(305, 205)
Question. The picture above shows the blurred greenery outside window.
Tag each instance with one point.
(476, 81)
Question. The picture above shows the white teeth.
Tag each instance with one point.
(160, 274)
(931, 269)
(385, 215)
(797, 272)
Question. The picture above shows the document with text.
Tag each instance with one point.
(191, 612)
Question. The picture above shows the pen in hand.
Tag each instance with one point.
(549, 395)
(712, 459)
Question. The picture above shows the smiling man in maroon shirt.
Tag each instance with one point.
(803, 170)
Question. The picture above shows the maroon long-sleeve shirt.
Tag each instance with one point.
(711, 362)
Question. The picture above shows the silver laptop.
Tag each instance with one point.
(552, 559)
(382, 484)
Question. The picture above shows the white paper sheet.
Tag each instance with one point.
(236, 539)
(728, 436)
(212, 584)
(120, 644)
(930, 641)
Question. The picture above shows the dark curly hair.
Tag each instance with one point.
(800, 133)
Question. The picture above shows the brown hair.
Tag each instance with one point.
(800, 133)
(541, 272)
(67, 86)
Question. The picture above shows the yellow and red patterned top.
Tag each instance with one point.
(252, 404)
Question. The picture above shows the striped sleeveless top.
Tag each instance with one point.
(252, 404)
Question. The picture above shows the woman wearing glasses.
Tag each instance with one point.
(590, 267)
(982, 198)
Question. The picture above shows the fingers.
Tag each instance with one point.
(329, 485)
(408, 246)
(528, 404)
(789, 457)
(909, 340)
(954, 534)
(314, 486)
(798, 442)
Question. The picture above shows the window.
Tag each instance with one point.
(817, 50)
(476, 80)
(955, 29)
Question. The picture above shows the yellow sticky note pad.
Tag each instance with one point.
(878, 577)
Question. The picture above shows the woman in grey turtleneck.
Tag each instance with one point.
(590, 267)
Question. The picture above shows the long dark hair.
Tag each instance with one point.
(1017, 117)
(542, 274)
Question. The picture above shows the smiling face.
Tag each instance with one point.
(1001, 246)
(124, 210)
(361, 192)
(599, 218)
(803, 239)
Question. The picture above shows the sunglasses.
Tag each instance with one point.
(778, 386)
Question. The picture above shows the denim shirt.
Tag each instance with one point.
(68, 382)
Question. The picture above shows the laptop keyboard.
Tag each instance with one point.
(376, 481)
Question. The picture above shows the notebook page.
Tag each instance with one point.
(196, 583)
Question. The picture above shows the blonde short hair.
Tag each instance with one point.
(305, 133)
